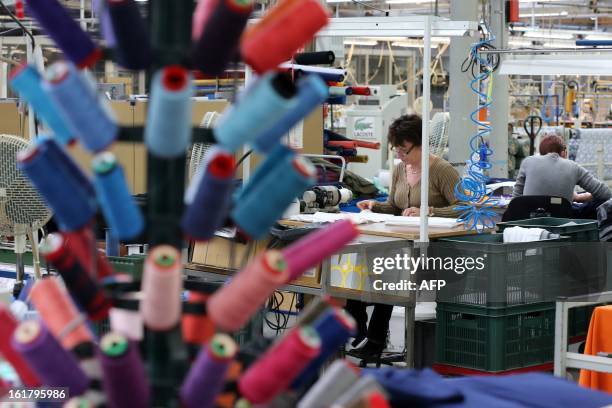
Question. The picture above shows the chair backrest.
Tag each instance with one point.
(524, 207)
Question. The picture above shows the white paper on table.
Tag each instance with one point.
(433, 222)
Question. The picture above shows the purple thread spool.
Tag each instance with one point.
(207, 375)
(54, 365)
(125, 380)
(106, 25)
(133, 45)
(67, 34)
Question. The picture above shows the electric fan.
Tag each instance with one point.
(22, 211)
(438, 136)
(198, 151)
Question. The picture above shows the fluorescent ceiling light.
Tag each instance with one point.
(557, 14)
(360, 42)
(548, 34)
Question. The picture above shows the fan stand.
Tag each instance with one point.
(20, 246)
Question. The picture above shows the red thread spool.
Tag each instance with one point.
(280, 365)
(197, 328)
(59, 313)
(8, 325)
(278, 36)
(81, 243)
(162, 283)
(231, 306)
(361, 90)
(513, 12)
(19, 12)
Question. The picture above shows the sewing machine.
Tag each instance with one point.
(324, 198)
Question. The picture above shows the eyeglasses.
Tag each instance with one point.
(402, 150)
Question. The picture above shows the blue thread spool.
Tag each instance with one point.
(210, 205)
(280, 156)
(118, 206)
(80, 107)
(133, 45)
(257, 111)
(312, 91)
(266, 201)
(334, 326)
(65, 32)
(168, 131)
(27, 82)
(336, 100)
(67, 197)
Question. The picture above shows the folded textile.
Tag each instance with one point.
(520, 234)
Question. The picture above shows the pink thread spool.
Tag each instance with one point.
(201, 15)
(280, 365)
(231, 306)
(162, 283)
(315, 247)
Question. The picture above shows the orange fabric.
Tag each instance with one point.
(598, 340)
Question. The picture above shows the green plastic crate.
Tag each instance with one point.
(583, 231)
(131, 264)
(514, 273)
(495, 339)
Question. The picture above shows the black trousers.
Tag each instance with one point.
(378, 327)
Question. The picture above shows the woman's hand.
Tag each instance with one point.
(366, 204)
(582, 197)
(414, 211)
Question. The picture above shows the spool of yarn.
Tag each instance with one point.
(265, 101)
(197, 328)
(83, 245)
(313, 310)
(170, 98)
(133, 46)
(312, 92)
(315, 58)
(280, 365)
(127, 322)
(59, 313)
(202, 13)
(8, 325)
(281, 155)
(161, 286)
(80, 107)
(27, 82)
(334, 382)
(210, 206)
(207, 375)
(276, 39)
(326, 73)
(340, 90)
(106, 24)
(55, 183)
(120, 210)
(125, 380)
(315, 247)
(232, 305)
(54, 365)
(366, 385)
(336, 100)
(294, 177)
(218, 42)
(65, 32)
(83, 288)
(334, 327)
(361, 90)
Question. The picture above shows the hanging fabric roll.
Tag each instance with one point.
(133, 45)
(220, 35)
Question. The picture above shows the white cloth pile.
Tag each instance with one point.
(520, 234)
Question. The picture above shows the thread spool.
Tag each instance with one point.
(232, 305)
(197, 328)
(210, 206)
(125, 380)
(54, 365)
(8, 325)
(84, 290)
(315, 58)
(317, 246)
(364, 386)
(313, 310)
(127, 323)
(334, 75)
(340, 90)
(218, 42)
(80, 107)
(55, 183)
(334, 327)
(118, 206)
(280, 156)
(171, 93)
(83, 245)
(207, 375)
(280, 365)
(256, 220)
(59, 313)
(312, 92)
(361, 90)
(161, 285)
(275, 39)
(65, 32)
(334, 382)
(336, 100)
(266, 100)
(131, 35)
(202, 13)
(106, 24)
(27, 82)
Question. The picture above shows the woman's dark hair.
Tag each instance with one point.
(552, 144)
(406, 128)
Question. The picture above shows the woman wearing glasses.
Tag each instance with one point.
(404, 199)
